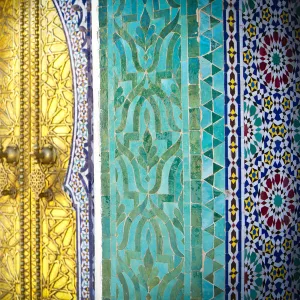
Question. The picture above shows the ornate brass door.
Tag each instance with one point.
(37, 221)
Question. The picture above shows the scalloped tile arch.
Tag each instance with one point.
(76, 19)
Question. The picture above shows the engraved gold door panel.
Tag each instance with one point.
(10, 208)
(37, 220)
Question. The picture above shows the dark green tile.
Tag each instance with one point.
(194, 119)
(194, 96)
(195, 166)
(192, 26)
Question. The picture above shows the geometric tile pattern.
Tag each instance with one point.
(212, 147)
(233, 147)
(271, 70)
(76, 19)
(151, 150)
(175, 142)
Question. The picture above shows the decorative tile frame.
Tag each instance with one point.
(76, 20)
(233, 123)
(211, 97)
(262, 135)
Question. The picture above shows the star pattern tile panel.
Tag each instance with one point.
(271, 111)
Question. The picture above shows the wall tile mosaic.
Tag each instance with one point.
(211, 99)
(271, 141)
(200, 149)
(262, 74)
(153, 147)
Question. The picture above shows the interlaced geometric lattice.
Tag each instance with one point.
(3, 179)
(37, 181)
(271, 52)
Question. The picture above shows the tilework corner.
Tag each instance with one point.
(212, 125)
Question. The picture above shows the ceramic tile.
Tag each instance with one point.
(152, 71)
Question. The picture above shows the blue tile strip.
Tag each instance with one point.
(233, 150)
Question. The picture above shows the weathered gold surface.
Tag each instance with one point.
(37, 235)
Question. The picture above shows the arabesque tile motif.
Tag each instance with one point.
(200, 149)
(152, 149)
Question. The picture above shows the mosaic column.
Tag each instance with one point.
(162, 143)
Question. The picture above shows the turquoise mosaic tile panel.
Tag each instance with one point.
(151, 149)
(212, 147)
(164, 151)
(162, 109)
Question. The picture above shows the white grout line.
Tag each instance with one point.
(97, 151)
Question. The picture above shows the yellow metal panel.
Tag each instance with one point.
(58, 230)
(37, 234)
(10, 210)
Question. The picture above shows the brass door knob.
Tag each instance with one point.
(11, 154)
(48, 194)
(47, 155)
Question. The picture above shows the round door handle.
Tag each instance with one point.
(48, 194)
(47, 155)
(11, 154)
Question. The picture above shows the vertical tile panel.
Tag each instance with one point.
(150, 91)
(213, 147)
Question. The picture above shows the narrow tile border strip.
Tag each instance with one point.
(76, 20)
(233, 148)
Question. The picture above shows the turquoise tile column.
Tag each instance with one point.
(112, 148)
(105, 165)
(151, 152)
(193, 124)
(213, 147)
(185, 148)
